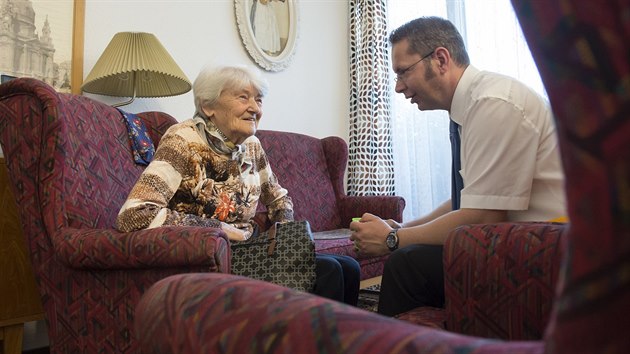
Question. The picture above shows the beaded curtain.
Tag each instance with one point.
(371, 163)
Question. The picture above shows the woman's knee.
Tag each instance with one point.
(350, 265)
(326, 266)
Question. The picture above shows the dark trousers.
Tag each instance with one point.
(338, 278)
(413, 277)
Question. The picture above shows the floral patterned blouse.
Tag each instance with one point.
(198, 178)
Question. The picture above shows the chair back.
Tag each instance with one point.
(69, 156)
(312, 170)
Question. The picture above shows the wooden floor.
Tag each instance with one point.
(370, 282)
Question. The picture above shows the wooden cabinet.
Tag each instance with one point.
(19, 298)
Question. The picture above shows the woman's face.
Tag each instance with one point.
(236, 113)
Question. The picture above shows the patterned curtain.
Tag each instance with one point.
(371, 166)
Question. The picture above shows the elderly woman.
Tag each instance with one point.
(212, 171)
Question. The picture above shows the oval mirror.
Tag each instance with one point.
(269, 30)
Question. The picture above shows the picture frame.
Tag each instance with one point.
(6, 78)
(269, 31)
(50, 45)
(78, 35)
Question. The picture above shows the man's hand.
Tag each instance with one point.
(369, 235)
(393, 224)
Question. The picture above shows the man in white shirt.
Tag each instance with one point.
(510, 162)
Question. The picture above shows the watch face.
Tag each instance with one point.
(390, 241)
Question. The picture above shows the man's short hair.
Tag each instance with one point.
(427, 33)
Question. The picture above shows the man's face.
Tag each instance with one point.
(416, 78)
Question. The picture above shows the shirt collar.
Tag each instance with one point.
(458, 105)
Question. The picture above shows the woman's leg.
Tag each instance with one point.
(338, 278)
(329, 278)
(351, 278)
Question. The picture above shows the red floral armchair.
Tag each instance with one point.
(581, 48)
(71, 168)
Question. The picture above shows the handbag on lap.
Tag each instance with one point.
(284, 255)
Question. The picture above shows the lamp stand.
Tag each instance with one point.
(135, 86)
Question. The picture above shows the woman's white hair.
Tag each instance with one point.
(212, 81)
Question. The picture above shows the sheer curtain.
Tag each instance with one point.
(422, 157)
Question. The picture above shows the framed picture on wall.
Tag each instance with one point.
(43, 39)
(269, 30)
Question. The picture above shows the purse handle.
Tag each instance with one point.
(272, 238)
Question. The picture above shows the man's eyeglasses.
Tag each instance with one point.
(402, 73)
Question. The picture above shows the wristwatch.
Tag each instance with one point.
(391, 241)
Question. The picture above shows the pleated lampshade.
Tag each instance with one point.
(135, 64)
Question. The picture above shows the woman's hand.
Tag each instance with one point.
(234, 233)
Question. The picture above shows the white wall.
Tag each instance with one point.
(310, 96)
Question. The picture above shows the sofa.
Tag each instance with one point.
(581, 48)
(71, 167)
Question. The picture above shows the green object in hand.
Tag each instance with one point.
(356, 219)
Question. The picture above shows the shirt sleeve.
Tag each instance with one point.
(147, 203)
(499, 147)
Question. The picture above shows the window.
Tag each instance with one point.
(422, 158)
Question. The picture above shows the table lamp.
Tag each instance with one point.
(135, 64)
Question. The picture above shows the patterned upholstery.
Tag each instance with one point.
(581, 48)
(312, 170)
(220, 313)
(71, 168)
(499, 280)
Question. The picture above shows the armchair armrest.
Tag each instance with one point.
(499, 279)
(166, 247)
(385, 207)
(223, 313)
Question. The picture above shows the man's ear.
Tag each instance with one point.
(444, 58)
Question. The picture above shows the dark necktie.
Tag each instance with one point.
(456, 179)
